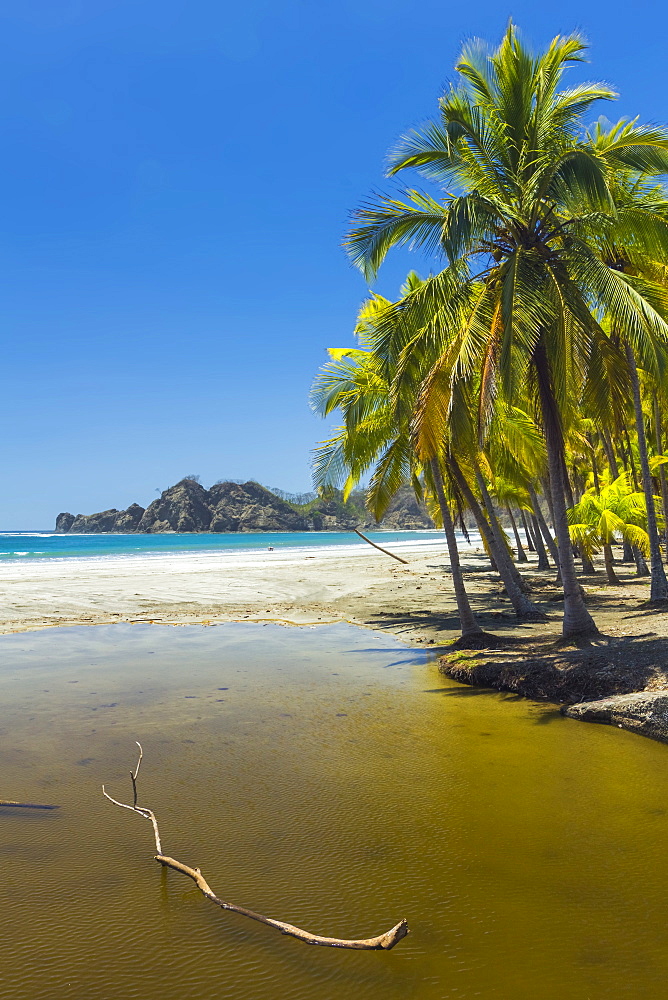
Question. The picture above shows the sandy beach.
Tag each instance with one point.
(348, 583)
(351, 583)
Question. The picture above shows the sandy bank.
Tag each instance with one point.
(365, 587)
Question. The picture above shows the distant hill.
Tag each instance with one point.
(232, 506)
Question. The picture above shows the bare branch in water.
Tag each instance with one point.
(382, 941)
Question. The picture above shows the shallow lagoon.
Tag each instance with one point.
(330, 777)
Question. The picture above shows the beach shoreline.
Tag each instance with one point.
(362, 586)
(355, 583)
(296, 585)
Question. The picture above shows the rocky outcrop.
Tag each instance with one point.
(183, 507)
(129, 520)
(332, 515)
(188, 507)
(643, 712)
(64, 522)
(405, 512)
(251, 507)
(107, 520)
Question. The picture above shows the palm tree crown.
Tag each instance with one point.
(517, 309)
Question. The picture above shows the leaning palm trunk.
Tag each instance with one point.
(522, 606)
(659, 584)
(545, 531)
(521, 554)
(662, 471)
(543, 561)
(530, 544)
(467, 620)
(577, 620)
(497, 531)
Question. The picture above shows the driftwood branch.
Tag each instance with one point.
(382, 941)
(380, 548)
(24, 805)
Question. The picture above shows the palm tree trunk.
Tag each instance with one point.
(597, 484)
(521, 554)
(610, 453)
(628, 556)
(609, 568)
(662, 470)
(467, 620)
(588, 567)
(547, 493)
(545, 531)
(577, 620)
(522, 606)
(497, 530)
(659, 584)
(543, 561)
(639, 559)
(629, 451)
(525, 524)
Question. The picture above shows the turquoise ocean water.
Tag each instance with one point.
(47, 545)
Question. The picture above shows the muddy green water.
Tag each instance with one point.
(329, 777)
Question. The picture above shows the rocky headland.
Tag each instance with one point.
(229, 506)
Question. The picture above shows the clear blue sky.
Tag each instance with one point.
(176, 180)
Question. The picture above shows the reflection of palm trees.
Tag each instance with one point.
(515, 316)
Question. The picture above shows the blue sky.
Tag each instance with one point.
(177, 179)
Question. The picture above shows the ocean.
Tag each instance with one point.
(22, 545)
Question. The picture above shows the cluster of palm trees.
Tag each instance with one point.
(529, 371)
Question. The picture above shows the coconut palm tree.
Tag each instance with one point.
(634, 241)
(521, 185)
(375, 436)
(600, 517)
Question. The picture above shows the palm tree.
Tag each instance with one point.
(601, 516)
(521, 187)
(375, 436)
(634, 242)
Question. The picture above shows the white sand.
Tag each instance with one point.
(347, 583)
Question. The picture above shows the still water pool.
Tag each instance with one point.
(329, 777)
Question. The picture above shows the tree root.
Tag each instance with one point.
(381, 942)
(476, 640)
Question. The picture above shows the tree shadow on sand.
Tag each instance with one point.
(443, 622)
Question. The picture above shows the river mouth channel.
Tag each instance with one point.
(330, 777)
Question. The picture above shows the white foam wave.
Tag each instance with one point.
(26, 534)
